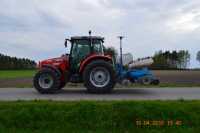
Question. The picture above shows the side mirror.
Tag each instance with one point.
(66, 42)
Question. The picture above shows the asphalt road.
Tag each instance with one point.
(9, 94)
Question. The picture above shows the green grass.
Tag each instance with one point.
(101, 116)
(6, 74)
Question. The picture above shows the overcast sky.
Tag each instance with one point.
(37, 28)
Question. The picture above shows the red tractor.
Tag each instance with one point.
(86, 63)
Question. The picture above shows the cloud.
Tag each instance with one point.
(37, 29)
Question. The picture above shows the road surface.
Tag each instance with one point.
(9, 94)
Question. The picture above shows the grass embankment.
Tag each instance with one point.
(7, 74)
(93, 116)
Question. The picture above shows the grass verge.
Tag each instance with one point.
(7, 74)
(99, 116)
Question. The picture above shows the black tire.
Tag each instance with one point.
(54, 87)
(145, 80)
(88, 82)
(155, 82)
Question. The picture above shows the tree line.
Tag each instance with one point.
(171, 60)
(162, 60)
(198, 56)
(9, 63)
(165, 60)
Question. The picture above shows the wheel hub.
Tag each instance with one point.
(45, 81)
(99, 77)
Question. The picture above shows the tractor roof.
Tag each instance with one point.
(86, 37)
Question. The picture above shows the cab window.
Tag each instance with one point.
(97, 46)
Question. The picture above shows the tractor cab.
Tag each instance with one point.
(83, 47)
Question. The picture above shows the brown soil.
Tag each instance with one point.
(16, 82)
(165, 76)
(171, 76)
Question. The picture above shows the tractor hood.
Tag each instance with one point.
(61, 61)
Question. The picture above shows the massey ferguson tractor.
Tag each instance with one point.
(86, 63)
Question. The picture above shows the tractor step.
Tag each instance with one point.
(75, 78)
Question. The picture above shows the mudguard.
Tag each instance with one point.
(91, 58)
(52, 68)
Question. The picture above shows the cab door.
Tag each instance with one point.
(80, 50)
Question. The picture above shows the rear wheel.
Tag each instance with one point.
(99, 77)
(47, 81)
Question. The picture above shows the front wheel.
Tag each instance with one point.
(47, 81)
(99, 77)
